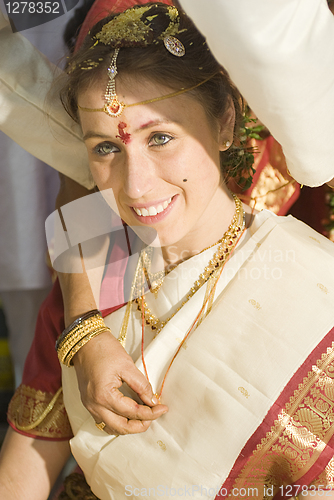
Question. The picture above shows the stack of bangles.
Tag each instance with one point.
(75, 336)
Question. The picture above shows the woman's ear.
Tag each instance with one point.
(226, 127)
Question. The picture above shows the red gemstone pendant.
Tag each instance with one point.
(114, 108)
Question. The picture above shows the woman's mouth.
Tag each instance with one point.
(154, 213)
(152, 210)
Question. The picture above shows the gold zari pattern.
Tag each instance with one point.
(76, 487)
(129, 29)
(39, 413)
(326, 479)
(298, 437)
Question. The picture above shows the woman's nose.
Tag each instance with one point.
(139, 175)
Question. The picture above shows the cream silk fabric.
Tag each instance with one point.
(279, 53)
(25, 80)
(274, 304)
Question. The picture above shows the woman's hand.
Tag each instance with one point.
(102, 365)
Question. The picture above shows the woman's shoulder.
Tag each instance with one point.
(292, 232)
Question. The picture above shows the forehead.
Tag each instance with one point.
(131, 91)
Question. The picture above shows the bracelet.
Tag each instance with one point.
(332, 187)
(80, 331)
(78, 337)
(75, 323)
(66, 357)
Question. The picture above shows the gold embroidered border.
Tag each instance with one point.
(27, 407)
(297, 437)
(326, 478)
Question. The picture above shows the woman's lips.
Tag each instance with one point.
(154, 213)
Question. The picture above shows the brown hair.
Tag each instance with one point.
(151, 60)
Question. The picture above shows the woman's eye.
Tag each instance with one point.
(160, 139)
(105, 148)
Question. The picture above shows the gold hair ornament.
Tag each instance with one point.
(132, 28)
(110, 107)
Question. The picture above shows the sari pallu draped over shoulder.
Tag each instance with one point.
(250, 396)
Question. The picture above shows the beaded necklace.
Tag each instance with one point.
(226, 245)
(211, 275)
(156, 279)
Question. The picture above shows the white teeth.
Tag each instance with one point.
(151, 211)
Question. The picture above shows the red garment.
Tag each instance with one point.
(42, 373)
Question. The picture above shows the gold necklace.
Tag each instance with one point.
(155, 280)
(231, 238)
(227, 244)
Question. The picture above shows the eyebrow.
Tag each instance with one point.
(91, 134)
(153, 123)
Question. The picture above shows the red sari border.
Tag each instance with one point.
(295, 441)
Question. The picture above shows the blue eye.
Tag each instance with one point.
(105, 148)
(160, 139)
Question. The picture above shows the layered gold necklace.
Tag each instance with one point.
(226, 246)
(211, 274)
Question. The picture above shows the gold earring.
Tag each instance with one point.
(227, 144)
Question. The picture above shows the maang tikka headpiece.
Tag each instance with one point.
(132, 28)
(113, 106)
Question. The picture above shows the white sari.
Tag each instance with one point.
(274, 304)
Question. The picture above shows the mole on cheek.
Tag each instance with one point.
(124, 136)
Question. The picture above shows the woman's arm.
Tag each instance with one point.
(102, 365)
(29, 467)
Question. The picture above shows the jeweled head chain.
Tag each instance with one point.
(132, 28)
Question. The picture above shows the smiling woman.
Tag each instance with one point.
(177, 113)
(167, 141)
(237, 343)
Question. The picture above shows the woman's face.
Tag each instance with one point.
(161, 161)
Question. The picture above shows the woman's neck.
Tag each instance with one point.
(205, 235)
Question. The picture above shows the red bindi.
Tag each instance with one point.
(124, 136)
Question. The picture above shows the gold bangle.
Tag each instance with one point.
(87, 325)
(66, 348)
(78, 337)
(76, 322)
(66, 358)
(332, 187)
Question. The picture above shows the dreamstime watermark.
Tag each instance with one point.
(192, 491)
